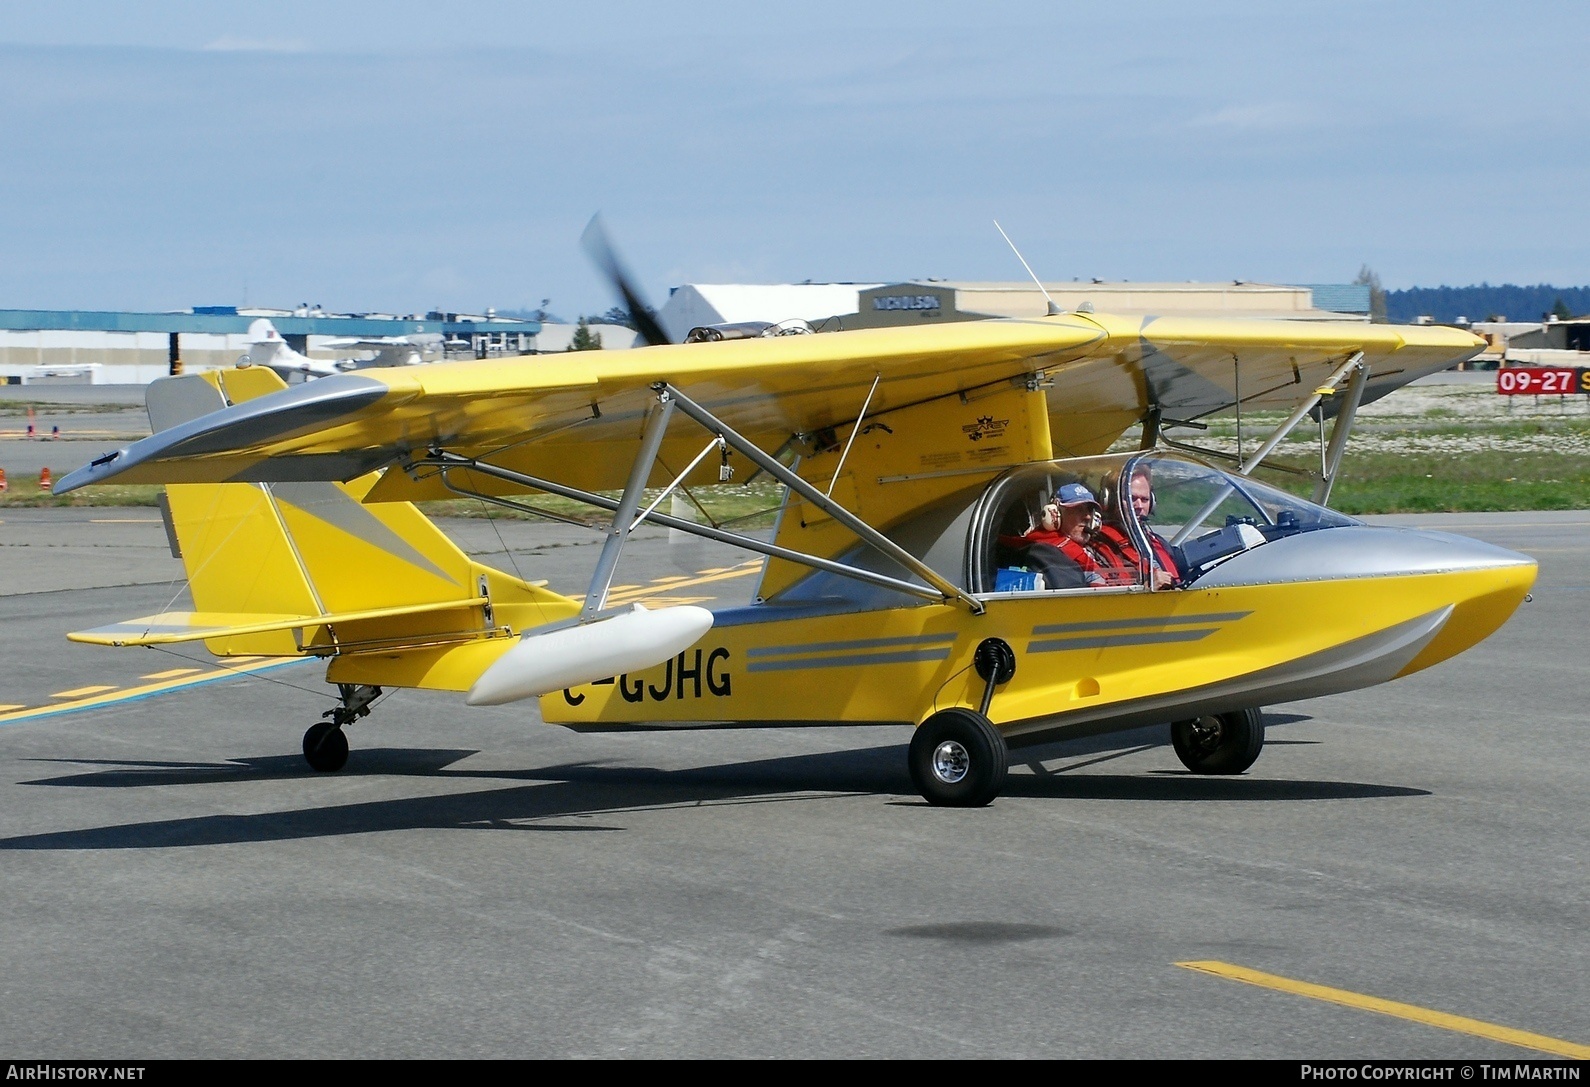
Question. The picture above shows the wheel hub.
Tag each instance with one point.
(1206, 734)
(951, 762)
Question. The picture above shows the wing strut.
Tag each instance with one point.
(1339, 433)
(869, 535)
(624, 519)
(1330, 460)
(1303, 408)
(450, 462)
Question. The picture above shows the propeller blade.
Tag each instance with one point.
(601, 252)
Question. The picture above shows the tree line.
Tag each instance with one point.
(1486, 302)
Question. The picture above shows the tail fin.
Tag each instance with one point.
(268, 349)
(318, 567)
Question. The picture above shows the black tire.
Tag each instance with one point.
(958, 759)
(1225, 743)
(326, 747)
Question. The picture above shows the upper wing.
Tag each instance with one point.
(583, 415)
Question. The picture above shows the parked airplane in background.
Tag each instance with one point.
(270, 350)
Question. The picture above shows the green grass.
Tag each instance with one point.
(1370, 481)
(1392, 483)
(51, 407)
(732, 504)
(24, 491)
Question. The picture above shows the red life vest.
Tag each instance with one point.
(1163, 558)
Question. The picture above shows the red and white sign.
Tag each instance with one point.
(1541, 381)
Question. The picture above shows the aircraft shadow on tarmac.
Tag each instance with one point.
(393, 761)
(585, 789)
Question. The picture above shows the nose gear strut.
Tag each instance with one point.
(995, 662)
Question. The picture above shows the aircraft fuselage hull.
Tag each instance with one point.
(1087, 661)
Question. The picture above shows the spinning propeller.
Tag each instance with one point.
(600, 250)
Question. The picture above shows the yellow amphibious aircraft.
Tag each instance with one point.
(887, 595)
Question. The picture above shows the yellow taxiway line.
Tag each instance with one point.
(669, 585)
(1412, 1012)
(176, 679)
(83, 692)
(113, 695)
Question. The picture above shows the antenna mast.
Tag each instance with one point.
(1053, 308)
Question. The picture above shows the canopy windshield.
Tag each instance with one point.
(1192, 499)
(1163, 520)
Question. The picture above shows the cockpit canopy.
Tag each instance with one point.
(1201, 516)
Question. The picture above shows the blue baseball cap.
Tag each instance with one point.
(1075, 494)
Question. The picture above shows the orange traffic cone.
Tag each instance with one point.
(45, 482)
(3, 484)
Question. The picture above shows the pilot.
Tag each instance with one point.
(1166, 570)
(1057, 546)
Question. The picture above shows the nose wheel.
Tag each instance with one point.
(325, 744)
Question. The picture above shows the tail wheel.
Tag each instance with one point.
(958, 759)
(1225, 743)
(326, 747)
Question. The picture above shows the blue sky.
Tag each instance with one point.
(404, 156)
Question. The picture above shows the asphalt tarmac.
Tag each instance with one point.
(175, 882)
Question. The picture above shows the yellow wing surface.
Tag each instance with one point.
(579, 417)
(296, 541)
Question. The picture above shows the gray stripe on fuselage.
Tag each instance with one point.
(1110, 641)
(862, 643)
(1149, 623)
(856, 660)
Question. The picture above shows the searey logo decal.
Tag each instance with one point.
(985, 427)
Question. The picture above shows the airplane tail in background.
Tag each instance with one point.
(267, 348)
(288, 568)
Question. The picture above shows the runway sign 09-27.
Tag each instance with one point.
(1542, 381)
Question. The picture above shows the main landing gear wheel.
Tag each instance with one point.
(326, 747)
(1225, 743)
(958, 759)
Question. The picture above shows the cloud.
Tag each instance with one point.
(1260, 117)
(231, 43)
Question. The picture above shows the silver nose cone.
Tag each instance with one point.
(1356, 551)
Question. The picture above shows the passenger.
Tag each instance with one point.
(1117, 559)
(1166, 570)
(1056, 546)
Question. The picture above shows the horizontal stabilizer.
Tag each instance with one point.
(172, 627)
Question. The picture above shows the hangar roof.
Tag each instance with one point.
(226, 319)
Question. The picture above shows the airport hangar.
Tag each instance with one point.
(829, 306)
(127, 348)
(95, 347)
